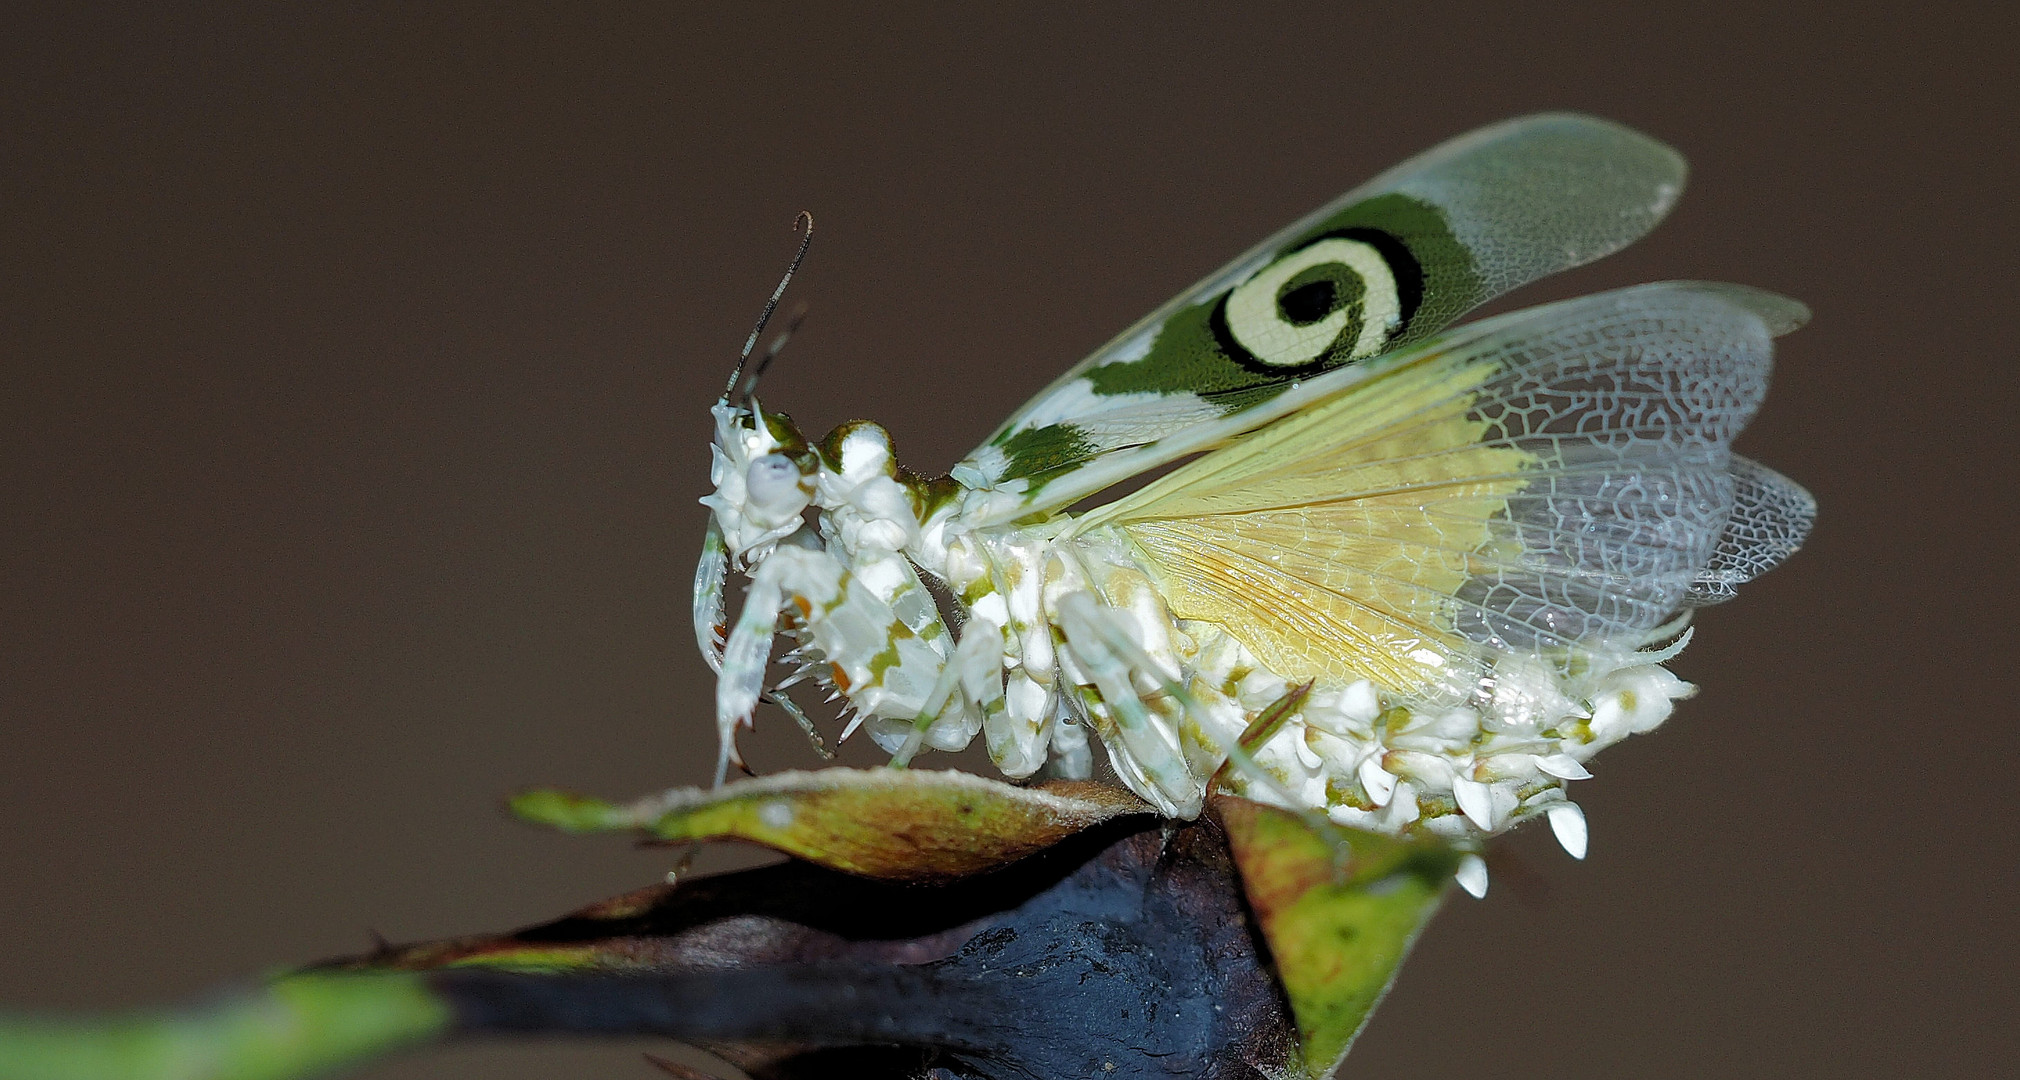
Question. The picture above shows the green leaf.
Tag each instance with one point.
(894, 824)
(1339, 915)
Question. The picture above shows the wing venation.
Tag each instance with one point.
(1383, 267)
(1552, 480)
(1771, 517)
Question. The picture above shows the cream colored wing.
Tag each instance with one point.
(1542, 483)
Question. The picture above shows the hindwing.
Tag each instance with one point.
(1539, 484)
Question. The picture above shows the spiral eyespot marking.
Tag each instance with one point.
(1297, 309)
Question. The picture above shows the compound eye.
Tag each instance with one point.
(773, 483)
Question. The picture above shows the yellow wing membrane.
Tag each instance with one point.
(1534, 484)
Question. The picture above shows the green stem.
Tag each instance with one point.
(295, 1026)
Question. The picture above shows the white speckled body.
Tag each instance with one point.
(1403, 574)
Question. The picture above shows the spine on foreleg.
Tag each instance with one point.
(807, 579)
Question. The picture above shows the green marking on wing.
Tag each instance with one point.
(1185, 358)
(1192, 355)
(1460, 224)
(1036, 451)
(1450, 279)
(1189, 355)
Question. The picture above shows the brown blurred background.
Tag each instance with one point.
(355, 374)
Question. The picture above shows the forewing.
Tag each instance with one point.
(1548, 481)
(1386, 265)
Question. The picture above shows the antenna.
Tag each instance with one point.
(778, 345)
(771, 305)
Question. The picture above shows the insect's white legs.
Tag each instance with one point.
(1018, 733)
(887, 650)
(746, 654)
(1003, 584)
(1120, 650)
(936, 703)
(975, 671)
(710, 573)
(979, 657)
(872, 627)
(1094, 638)
(777, 696)
(1071, 758)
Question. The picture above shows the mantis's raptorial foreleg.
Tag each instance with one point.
(710, 619)
(884, 646)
